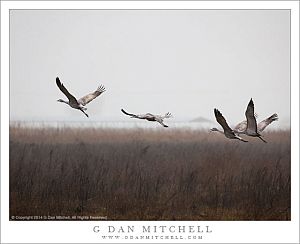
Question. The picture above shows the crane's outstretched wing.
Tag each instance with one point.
(227, 130)
(162, 117)
(241, 127)
(88, 98)
(167, 115)
(251, 120)
(263, 124)
(221, 120)
(64, 90)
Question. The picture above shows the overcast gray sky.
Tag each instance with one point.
(186, 62)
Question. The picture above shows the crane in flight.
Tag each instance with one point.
(228, 132)
(251, 129)
(241, 127)
(150, 117)
(80, 103)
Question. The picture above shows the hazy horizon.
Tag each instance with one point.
(186, 62)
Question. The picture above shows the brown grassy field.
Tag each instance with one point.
(162, 174)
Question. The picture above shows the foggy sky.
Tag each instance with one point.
(186, 62)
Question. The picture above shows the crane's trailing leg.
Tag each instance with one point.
(84, 112)
(262, 139)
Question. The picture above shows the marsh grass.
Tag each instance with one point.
(139, 174)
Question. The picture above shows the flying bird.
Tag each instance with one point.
(80, 103)
(228, 132)
(251, 129)
(241, 127)
(150, 117)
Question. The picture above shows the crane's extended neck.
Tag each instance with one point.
(215, 129)
(63, 101)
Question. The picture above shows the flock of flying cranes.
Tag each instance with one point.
(248, 127)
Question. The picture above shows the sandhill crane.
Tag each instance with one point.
(228, 132)
(251, 129)
(80, 103)
(241, 127)
(150, 117)
(238, 129)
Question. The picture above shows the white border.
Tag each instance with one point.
(82, 232)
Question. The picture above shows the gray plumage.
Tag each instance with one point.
(241, 127)
(251, 129)
(80, 103)
(150, 117)
(228, 132)
(263, 124)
